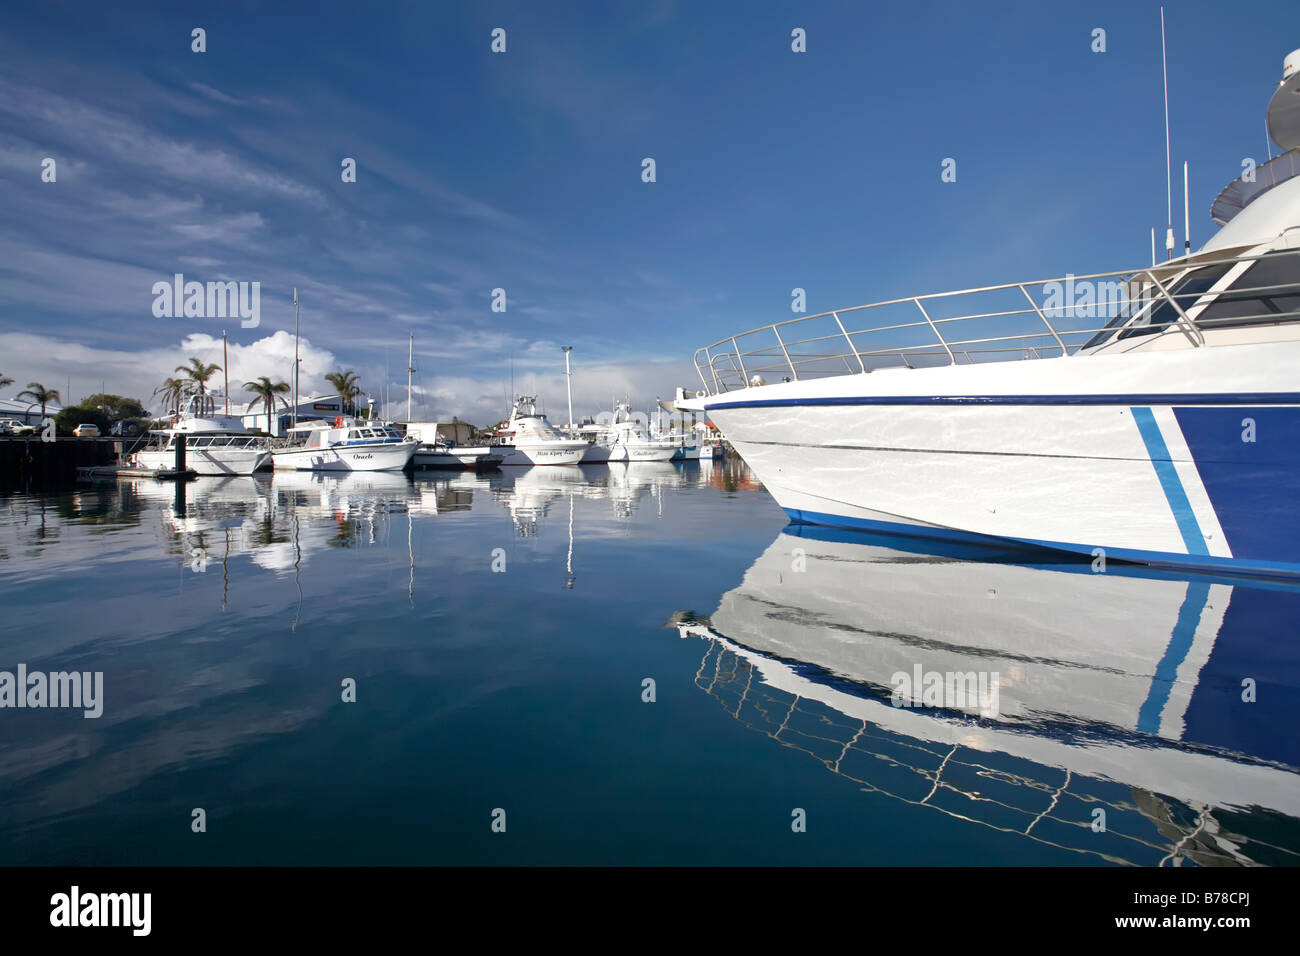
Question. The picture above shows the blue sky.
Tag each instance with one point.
(522, 171)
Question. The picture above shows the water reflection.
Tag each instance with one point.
(319, 575)
(1122, 693)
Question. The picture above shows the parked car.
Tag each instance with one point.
(86, 430)
(11, 426)
(125, 429)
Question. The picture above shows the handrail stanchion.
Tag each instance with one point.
(781, 342)
(1050, 327)
(744, 376)
(699, 371)
(862, 365)
(952, 359)
(1198, 339)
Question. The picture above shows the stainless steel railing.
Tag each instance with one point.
(1030, 320)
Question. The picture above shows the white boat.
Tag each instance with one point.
(1128, 678)
(346, 444)
(535, 441)
(214, 444)
(437, 452)
(628, 440)
(1153, 415)
(470, 458)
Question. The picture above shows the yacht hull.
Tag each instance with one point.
(476, 459)
(215, 461)
(393, 457)
(1127, 462)
(560, 453)
(642, 453)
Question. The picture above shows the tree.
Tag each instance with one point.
(74, 415)
(345, 383)
(198, 373)
(40, 395)
(173, 390)
(266, 391)
(5, 380)
(116, 407)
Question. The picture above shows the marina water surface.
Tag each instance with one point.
(632, 664)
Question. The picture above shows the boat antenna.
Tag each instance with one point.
(294, 417)
(1187, 216)
(1169, 176)
(1153, 245)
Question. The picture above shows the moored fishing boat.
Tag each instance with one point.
(346, 444)
(535, 441)
(214, 444)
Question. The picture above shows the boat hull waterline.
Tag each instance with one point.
(389, 457)
(209, 462)
(1136, 472)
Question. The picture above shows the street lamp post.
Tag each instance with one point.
(568, 378)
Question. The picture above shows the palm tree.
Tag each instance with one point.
(266, 391)
(345, 383)
(39, 393)
(198, 373)
(172, 389)
(5, 381)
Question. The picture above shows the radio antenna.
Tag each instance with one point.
(1169, 175)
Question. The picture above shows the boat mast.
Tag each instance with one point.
(225, 365)
(410, 369)
(568, 378)
(295, 356)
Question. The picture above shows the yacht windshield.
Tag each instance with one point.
(1160, 313)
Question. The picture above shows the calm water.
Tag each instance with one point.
(225, 629)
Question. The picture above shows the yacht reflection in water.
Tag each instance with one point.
(1143, 717)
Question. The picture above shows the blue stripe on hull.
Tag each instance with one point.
(1197, 398)
(1234, 565)
(1254, 486)
(1193, 539)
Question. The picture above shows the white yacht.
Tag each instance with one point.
(214, 444)
(1153, 415)
(535, 441)
(628, 440)
(346, 444)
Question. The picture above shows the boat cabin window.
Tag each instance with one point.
(1159, 314)
(1265, 293)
